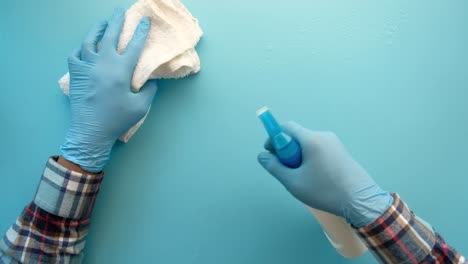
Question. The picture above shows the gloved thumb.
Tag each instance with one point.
(271, 163)
(296, 131)
(147, 93)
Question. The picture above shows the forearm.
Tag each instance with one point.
(400, 237)
(54, 227)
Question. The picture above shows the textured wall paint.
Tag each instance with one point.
(389, 77)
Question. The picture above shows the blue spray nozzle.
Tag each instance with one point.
(269, 122)
(286, 148)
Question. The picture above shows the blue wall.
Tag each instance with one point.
(389, 77)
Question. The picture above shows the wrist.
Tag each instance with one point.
(74, 167)
(366, 210)
(90, 153)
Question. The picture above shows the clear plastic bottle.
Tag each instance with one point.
(340, 234)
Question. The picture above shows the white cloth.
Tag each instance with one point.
(170, 47)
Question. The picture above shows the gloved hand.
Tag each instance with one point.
(102, 104)
(328, 178)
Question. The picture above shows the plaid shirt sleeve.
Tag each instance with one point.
(399, 236)
(53, 228)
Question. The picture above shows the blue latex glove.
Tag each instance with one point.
(328, 178)
(103, 107)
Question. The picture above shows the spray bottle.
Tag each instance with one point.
(340, 234)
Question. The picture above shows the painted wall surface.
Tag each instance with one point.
(389, 77)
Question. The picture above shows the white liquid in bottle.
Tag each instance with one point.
(340, 234)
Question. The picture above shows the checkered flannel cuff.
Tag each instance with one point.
(398, 236)
(66, 193)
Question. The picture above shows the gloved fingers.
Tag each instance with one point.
(294, 130)
(110, 40)
(136, 45)
(74, 57)
(271, 163)
(268, 146)
(146, 95)
(89, 46)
